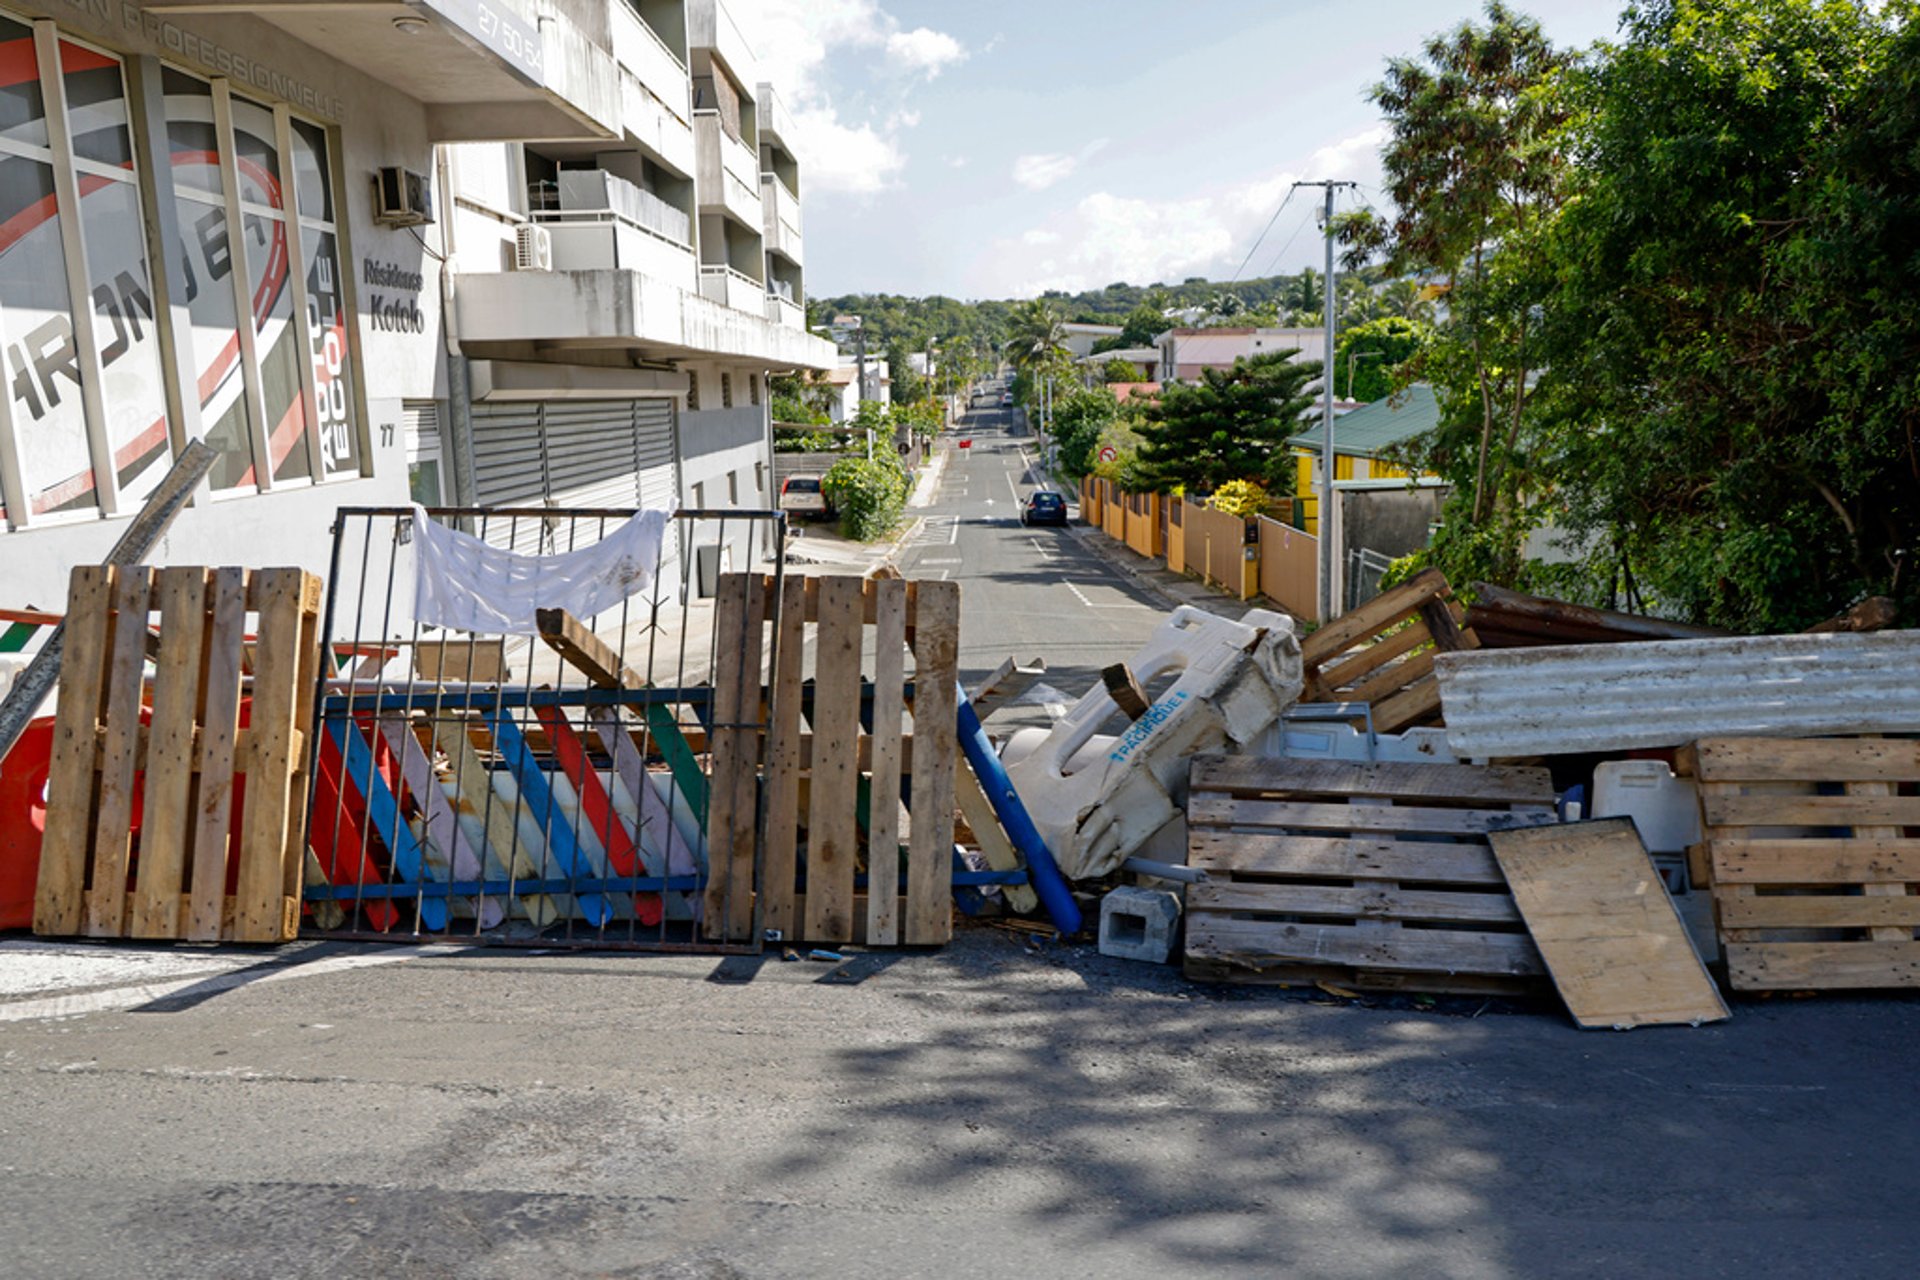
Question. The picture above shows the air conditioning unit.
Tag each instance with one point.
(532, 247)
(401, 198)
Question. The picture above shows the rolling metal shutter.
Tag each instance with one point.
(572, 453)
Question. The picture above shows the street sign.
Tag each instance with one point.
(1108, 453)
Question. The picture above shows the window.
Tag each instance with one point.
(753, 389)
(693, 391)
(700, 496)
(420, 420)
(733, 488)
(726, 391)
(85, 424)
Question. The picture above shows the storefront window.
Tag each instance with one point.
(93, 253)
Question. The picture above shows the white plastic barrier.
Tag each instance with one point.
(1235, 678)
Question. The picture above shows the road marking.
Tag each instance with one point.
(1015, 487)
(953, 531)
(123, 998)
(931, 560)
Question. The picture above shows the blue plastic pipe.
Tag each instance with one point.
(1044, 875)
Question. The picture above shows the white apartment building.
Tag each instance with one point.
(578, 303)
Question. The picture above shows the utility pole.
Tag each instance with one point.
(1325, 529)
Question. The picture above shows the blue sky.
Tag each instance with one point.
(1002, 147)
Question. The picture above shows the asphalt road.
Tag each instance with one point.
(1027, 592)
(998, 1108)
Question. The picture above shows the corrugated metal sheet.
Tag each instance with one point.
(1611, 697)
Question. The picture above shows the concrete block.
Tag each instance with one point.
(1138, 924)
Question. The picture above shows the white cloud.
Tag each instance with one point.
(1105, 237)
(924, 50)
(1038, 172)
(792, 41)
(956, 162)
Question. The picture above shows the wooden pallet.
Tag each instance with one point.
(1813, 853)
(830, 800)
(201, 866)
(1377, 876)
(1382, 653)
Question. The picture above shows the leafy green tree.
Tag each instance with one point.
(1368, 354)
(1080, 415)
(1121, 371)
(907, 386)
(1233, 424)
(1143, 324)
(1475, 167)
(1730, 400)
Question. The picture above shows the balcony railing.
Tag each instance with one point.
(639, 48)
(729, 172)
(730, 288)
(596, 190)
(786, 311)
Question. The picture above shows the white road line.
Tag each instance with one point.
(933, 560)
(123, 998)
(953, 531)
(1011, 484)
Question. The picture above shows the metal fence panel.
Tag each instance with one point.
(527, 790)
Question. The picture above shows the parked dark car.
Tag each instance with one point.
(1043, 506)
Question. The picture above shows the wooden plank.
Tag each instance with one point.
(1125, 690)
(181, 594)
(449, 853)
(833, 795)
(306, 679)
(1443, 626)
(1815, 861)
(1813, 811)
(1332, 679)
(1369, 902)
(1217, 810)
(1390, 680)
(1205, 969)
(743, 849)
(861, 912)
(1374, 616)
(936, 684)
(624, 855)
(1415, 704)
(1807, 759)
(593, 658)
(504, 856)
(113, 815)
(889, 717)
(656, 811)
(1263, 943)
(1612, 942)
(219, 727)
(279, 597)
(1795, 966)
(1825, 911)
(1252, 775)
(382, 806)
(1325, 858)
(1893, 932)
(992, 839)
(779, 878)
(68, 836)
(728, 885)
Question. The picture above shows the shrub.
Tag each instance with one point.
(1240, 498)
(870, 494)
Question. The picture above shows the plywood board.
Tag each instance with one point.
(1612, 941)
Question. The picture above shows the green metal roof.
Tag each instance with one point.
(1368, 430)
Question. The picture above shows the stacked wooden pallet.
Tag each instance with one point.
(186, 859)
(845, 790)
(1371, 875)
(1813, 852)
(1382, 653)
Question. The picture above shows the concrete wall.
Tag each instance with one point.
(1392, 522)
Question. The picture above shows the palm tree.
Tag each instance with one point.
(1037, 333)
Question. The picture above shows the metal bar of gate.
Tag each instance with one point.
(559, 805)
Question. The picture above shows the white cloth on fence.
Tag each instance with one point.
(463, 582)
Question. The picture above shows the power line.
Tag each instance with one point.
(1263, 235)
(1305, 217)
